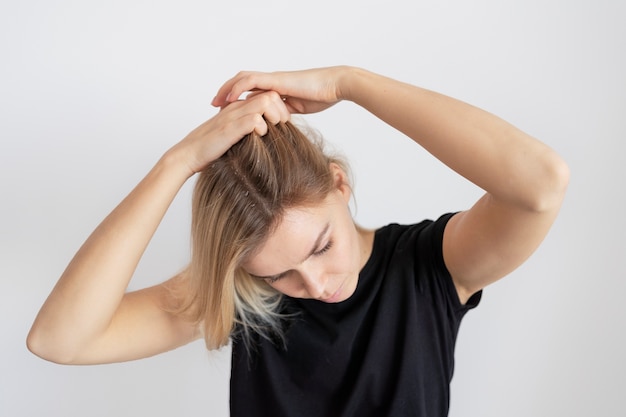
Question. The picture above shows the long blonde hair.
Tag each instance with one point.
(238, 200)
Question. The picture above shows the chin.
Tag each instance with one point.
(345, 291)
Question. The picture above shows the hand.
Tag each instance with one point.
(212, 138)
(307, 91)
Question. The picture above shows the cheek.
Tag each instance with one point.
(285, 288)
(345, 259)
(282, 287)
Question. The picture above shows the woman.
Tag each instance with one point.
(326, 318)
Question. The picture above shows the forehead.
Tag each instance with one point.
(292, 239)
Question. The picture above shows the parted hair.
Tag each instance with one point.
(238, 201)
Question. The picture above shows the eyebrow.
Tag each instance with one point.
(317, 243)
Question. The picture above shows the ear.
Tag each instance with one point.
(341, 181)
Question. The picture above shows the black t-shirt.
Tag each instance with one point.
(386, 351)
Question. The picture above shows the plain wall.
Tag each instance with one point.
(92, 93)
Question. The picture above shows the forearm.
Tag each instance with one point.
(488, 151)
(89, 292)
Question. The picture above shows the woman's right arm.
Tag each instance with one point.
(89, 317)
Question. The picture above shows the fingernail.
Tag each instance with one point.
(228, 97)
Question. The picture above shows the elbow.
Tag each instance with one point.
(45, 348)
(551, 185)
(36, 344)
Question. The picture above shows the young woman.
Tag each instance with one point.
(326, 318)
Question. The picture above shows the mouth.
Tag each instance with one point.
(335, 297)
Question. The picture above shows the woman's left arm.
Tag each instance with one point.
(524, 180)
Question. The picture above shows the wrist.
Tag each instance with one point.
(349, 80)
(175, 164)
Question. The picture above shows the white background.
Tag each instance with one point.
(92, 93)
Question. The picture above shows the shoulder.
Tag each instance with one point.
(405, 246)
(426, 233)
(416, 250)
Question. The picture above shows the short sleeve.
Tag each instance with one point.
(431, 267)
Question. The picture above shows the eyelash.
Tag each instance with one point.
(324, 249)
(318, 253)
(273, 279)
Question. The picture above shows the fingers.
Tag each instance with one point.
(244, 81)
(273, 106)
(212, 138)
(304, 91)
(256, 112)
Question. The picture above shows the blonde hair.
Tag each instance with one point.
(238, 200)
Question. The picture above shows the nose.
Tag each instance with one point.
(314, 283)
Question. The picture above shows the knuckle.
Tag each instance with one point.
(258, 119)
(274, 96)
(266, 99)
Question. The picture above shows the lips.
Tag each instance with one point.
(335, 297)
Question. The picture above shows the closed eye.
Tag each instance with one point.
(324, 249)
(273, 279)
(270, 279)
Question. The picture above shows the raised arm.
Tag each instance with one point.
(89, 317)
(524, 179)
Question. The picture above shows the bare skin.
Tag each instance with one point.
(524, 180)
(89, 317)
(316, 252)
